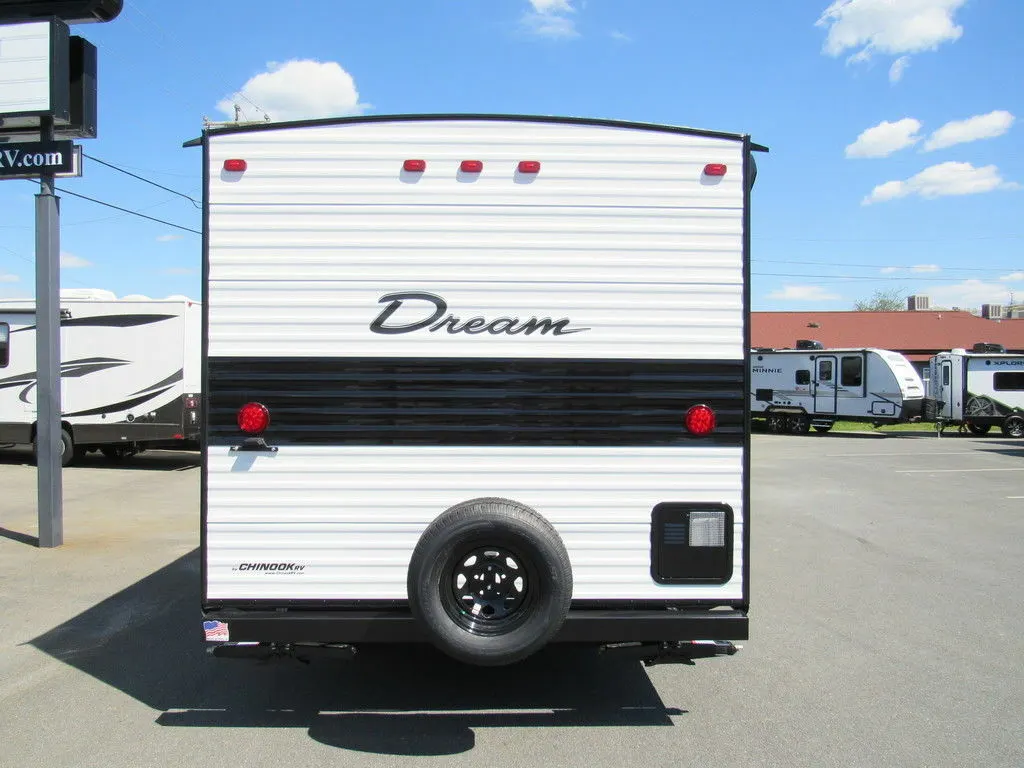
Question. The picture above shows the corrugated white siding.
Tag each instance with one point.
(352, 516)
(620, 232)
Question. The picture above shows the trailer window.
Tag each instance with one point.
(945, 376)
(825, 370)
(803, 377)
(1005, 381)
(5, 335)
(850, 373)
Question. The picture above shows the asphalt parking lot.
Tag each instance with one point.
(886, 630)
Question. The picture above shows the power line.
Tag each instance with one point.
(862, 278)
(142, 178)
(125, 210)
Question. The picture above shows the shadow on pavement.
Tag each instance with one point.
(409, 700)
(21, 538)
(153, 460)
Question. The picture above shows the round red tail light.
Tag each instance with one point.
(253, 418)
(700, 420)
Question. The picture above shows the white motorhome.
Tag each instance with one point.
(793, 390)
(130, 372)
(478, 381)
(981, 389)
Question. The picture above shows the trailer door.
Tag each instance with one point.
(825, 391)
(944, 390)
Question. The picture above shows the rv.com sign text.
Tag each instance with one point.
(35, 158)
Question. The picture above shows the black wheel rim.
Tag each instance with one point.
(486, 589)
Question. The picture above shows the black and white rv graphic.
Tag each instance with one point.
(129, 373)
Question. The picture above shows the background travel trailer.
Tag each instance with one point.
(792, 390)
(130, 372)
(983, 388)
(475, 380)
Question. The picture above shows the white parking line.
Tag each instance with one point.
(937, 453)
(999, 469)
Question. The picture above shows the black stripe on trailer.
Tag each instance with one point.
(476, 401)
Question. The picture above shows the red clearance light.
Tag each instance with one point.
(235, 165)
(700, 420)
(253, 418)
(715, 169)
(179, 437)
(471, 166)
(414, 166)
(529, 166)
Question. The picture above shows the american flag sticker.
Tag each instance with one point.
(215, 631)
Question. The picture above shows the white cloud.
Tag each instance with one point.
(941, 180)
(973, 128)
(890, 270)
(803, 293)
(70, 261)
(8, 278)
(898, 68)
(297, 90)
(968, 294)
(888, 26)
(885, 138)
(550, 18)
(621, 37)
(168, 238)
(1013, 277)
(551, 6)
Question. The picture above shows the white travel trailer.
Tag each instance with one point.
(981, 389)
(130, 372)
(478, 381)
(792, 390)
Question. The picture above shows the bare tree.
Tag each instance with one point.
(882, 301)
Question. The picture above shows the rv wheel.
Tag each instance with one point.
(1013, 426)
(778, 422)
(799, 424)
(978, 429)
(67, 449)
(490, 581)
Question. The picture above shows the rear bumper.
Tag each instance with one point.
(398, 626)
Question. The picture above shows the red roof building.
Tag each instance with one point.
(916, 334)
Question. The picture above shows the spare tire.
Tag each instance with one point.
(490, 581)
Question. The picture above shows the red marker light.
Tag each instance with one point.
(414, 166)
(700, 420)
(715, 169)
(529, 166)
(235, 165)
(471, 166)
(253, 418)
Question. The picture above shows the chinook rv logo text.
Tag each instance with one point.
(272, 567)
(434, 317)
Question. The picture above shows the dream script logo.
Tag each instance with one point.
(425, 311)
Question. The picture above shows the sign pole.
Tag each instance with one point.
(49, 443)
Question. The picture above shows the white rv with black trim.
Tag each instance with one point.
(478, 381)
(130, 373)
(981, 389)
(792, 390)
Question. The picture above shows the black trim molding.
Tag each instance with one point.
(475, 401)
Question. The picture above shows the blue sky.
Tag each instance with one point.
(894, 125)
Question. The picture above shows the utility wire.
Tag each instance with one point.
(123, 210)
(142, 178)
